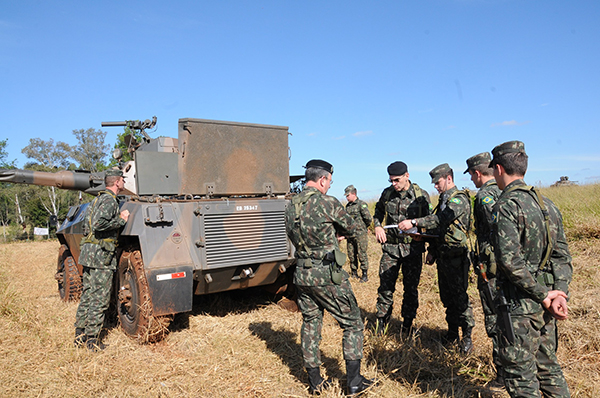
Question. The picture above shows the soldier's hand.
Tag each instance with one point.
(405, 225)
(340, 238)
(125, 215)
(556, 303)
(380, 234)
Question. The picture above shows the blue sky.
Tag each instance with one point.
(360, 84)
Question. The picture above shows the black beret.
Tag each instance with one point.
(319, 164)
(397, 169)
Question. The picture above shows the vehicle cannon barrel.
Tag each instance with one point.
(91, 183)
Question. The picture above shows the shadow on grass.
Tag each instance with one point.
(283, 343)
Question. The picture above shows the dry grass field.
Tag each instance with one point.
(241, 344)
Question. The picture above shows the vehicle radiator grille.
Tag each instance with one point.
(244, 238)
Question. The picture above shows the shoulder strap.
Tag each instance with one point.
(540, 201)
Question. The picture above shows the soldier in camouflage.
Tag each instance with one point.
(400, 201)
(450, 221)
(314, 221)
(534, 272)
(478, 167)
(357, 247)
(97, 257)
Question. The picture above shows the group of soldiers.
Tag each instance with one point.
(520, 256)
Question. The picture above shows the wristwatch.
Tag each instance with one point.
(413, 222)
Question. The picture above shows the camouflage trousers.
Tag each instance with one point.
(530, 365)
(490, 319)
(95, 298)
(389, 268)
(340, 302)
(357, 252)
(453, 279)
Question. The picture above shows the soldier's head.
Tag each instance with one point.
(509, 162)
(318, 175)
(114, 180)
(478, 167)
(350, 193)
(442, 177)
(399, 177)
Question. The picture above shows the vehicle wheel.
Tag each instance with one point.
(67, 276)
(134, 304)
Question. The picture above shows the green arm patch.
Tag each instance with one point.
(365, 205)
(488, 200)
(455, 200)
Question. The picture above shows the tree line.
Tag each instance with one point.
(23, 207)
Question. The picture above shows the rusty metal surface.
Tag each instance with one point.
(227, 158)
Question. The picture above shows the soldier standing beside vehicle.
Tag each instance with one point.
(478, 167)
(357, 247)
(313, 222)
(451, 221)
(400, 201)
(97, 257)
(535, 270)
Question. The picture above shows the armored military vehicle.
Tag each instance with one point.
(206, 216)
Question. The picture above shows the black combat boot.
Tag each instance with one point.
(80, 337)
(94, 344)
(316, 384)
(466, 344)
(407, 326)
(452, 336)
(354, 274)
(356, 382)
(364, 277)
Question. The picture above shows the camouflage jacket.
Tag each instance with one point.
(359, 211)
(98, 247)
(451, 221)
(483, 216)
(314, 233)
(520, 243)
(394, 207)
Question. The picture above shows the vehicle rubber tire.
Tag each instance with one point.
(134, 303)
(67, 275)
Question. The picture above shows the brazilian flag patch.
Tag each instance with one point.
(364, 205)
(455, 200)
(487, 200)
(494, 217)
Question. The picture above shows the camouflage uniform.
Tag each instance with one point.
(357, 247)
(313, 231)
(450, 220)
(483, 205)
(400, 251)
(98, 260)
(520, 243)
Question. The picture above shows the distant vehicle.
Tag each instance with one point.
(206, 216)
(563, 181)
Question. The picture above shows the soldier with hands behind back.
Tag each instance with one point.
(314, 221)
(484, 262)
(534, 272)
(104, 222)
(450, 221)
(400, 201)
(357, 247)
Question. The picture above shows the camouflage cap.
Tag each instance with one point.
(114, 173)
(507, 147)
(480, 158)
(397, 169)
(439, 171)
(349, 189)
(319, 164)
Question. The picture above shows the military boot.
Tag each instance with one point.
(354, 274)
(407, 326)
(466, 344)
(80, 337)
(452, 336)
(316, 384)
(364, 277)
(94, 344)
(356, 382)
